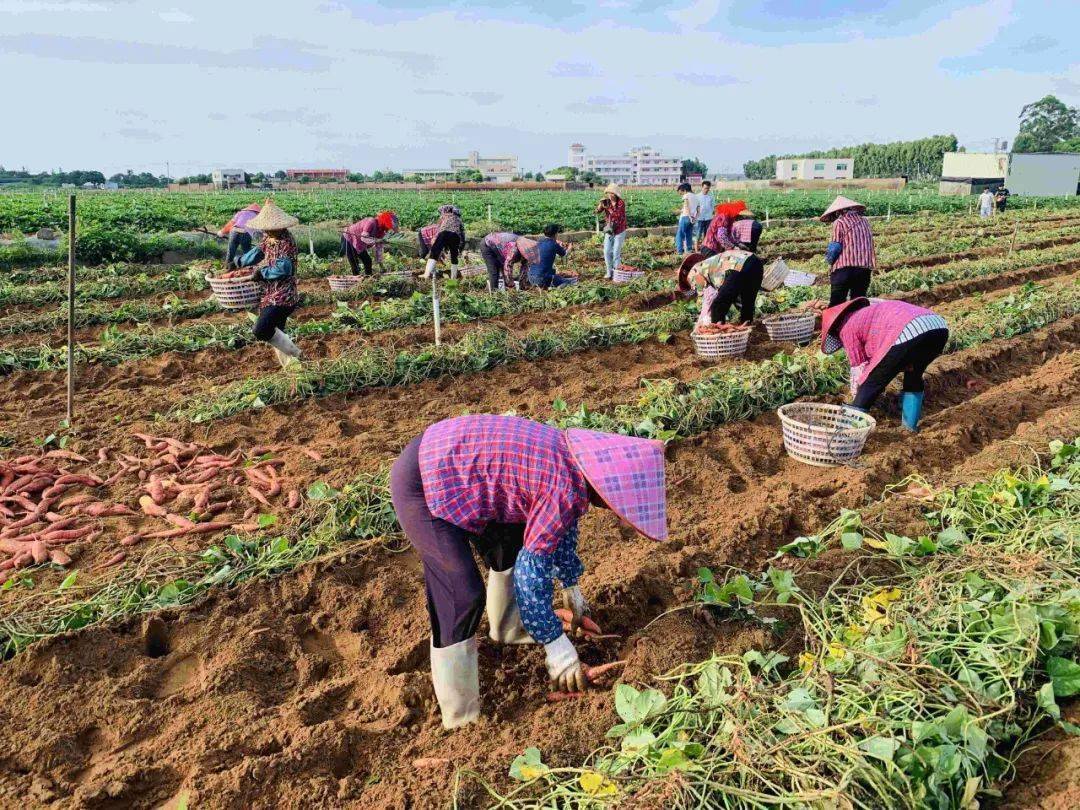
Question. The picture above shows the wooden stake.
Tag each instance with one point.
(435, 307)
(71, 312)
(1016, 229)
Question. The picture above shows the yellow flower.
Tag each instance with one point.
(596, 784)
(806, 662)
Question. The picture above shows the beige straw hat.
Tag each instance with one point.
(613, 188)
(272, 218)
(838, 205)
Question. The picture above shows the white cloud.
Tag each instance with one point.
(175, 15)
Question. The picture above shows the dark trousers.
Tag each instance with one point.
(271, 318)
(445, 240)
(455, 589)
(355, 257)
(493, 260)
(239, 244)
(911, 357)
(848, 283)
(743, 285)
(703, 228)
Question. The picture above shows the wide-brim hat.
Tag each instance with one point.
(627, 473)
(838, 205)
(833, 315)
(683, 282)
(272, 218)
(613, 188)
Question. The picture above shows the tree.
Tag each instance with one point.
(590, 177)
(1046, 123)
(694, 166)
(469, 176)
(280, 174)
(916, 160)
(569, 172)
(1071, 145)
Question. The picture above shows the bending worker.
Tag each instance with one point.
(718, 236)
(733, 274)
(359, 238)
(850, 254)
(513, 489)
(447, 234)
(240, 237)
(882, 339)
(500, 253)
(277, 277)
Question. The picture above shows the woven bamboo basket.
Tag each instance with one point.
(721, 344)
(344, 283)
(797, 327)
(402, 273)
(775, 275)
(621, 276)
(473, 270)
(234, 293)
(822, 434)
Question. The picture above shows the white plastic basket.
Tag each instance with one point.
(721, 344)
(344, 283)
(797, 327)
(797, 278)
(775, 275)
(621, 276)
(822, 434)
(234, 293)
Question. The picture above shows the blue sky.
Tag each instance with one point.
(409, 83)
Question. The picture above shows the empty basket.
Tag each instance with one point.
(721, 344)
(624, 275)
(344, 283)
(797, 327)
(473, 270)
(822, 434)
(234, 293)
(775, 275)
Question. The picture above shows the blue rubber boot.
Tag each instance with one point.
(911, 409)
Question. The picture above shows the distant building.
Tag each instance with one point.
(1044, 174)
(641, 166)
(429, 174)
(227, 178)
(317, 174)
(500, 169)
(815, 169)
(971, 172)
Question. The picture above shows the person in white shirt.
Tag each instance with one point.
(684, 234)
(986, 203)
(706, 204)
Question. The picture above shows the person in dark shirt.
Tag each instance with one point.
(1001, 199)
(542, 273)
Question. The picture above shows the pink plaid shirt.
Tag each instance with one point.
(506, 243)
(852, 230)
(869, 333)
(366, 234)
(718, 238)
(504, 469)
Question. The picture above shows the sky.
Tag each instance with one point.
(195, 85)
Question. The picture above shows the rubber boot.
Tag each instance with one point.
(288, 353)
(453, 271)
(504, 618)
(455, 675)
(429, 269)
(911, 409)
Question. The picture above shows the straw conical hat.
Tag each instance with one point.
(838, 205)
(272, 218)
(613, 188)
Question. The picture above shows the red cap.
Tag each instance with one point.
(387, 220)
(730, 209)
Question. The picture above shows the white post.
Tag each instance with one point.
(766, 217)
(888, 214)
(435, 307)
(311, 246)
(489, 214)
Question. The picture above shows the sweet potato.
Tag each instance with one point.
(116, 559)
(131, 539)
(293, 499)
(245, 527)
(156, 490)
(314, 455)
(39, 552)
(76, 500)
(67, 535)
(151, 507)
(180, 521)
(103, 455)
(254, 493)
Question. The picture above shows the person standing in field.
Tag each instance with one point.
(500, 253)
(367, 234)
(850, 253)
(240, 238)
(613, 208)
(277, 277)
(706, 204)
(986, 203)
(541, 257)
(513, 490)
(1001, 199)
(447, 234)
(882, 340)
(684, 231)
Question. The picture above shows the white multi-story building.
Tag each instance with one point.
(501, 169)
(227, 178)
(641, 166)
(815, 169)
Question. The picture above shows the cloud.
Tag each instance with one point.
(175, 15)
(598, 105)
(139, 134)
(415, 62)
(216, 116)
(707, 79)
(575, 70)
(269, 53)
(484, 98)
(297, 115)
(1035, 44)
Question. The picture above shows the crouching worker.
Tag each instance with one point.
(513, 489)
(240, 237)
(364, 236)
(448, 234)
(275, 262)
(541, 258)
(500, 253)
(883, 339)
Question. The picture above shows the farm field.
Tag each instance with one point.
(812, 636)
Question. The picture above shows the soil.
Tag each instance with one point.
(313, 689)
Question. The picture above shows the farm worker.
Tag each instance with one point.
(500, 253)
(370, 232)
(733, 274)
(986, 203)
(718, 236)
(1001, 199)
(513, 489)
(706, 204)
(883, 339)
(684, 231)
(613, 207)
(850, 254)
(446, 234)
(240, 237)
(542, 260)
(277, 276)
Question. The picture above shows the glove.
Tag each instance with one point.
(574, 601)
(564, 668)
(833, 251)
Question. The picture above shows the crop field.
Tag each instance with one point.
(217, 607)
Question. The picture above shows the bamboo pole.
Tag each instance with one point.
(435, 306)
(71, 312)
(1016, 229)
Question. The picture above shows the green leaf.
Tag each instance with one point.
(321, 491)
(637, 741)
(673, 759)
(634, 706)
(265, 520)
(528, 766)
(1064, 674)
(851, 540)
(704, 575)
(1046, 702)
(883, 748)
(69, 580)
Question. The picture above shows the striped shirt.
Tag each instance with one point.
(852, 230)
(920, 326)
(746, 232)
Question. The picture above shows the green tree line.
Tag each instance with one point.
(917, 160)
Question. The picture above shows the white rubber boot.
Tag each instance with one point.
(288, 353)
(429, 269)
(453, 271)
(455, 673)
(503, 615)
